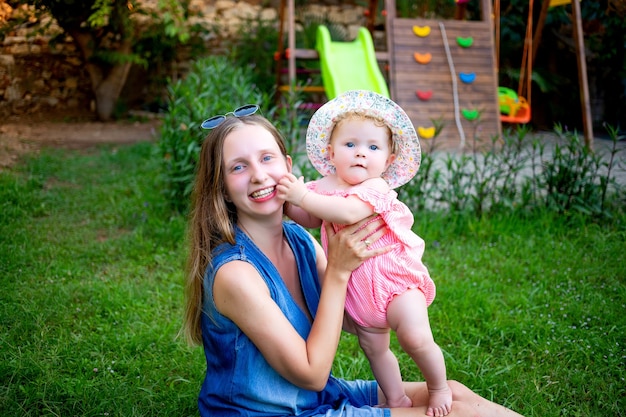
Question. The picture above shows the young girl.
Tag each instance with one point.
(262, 297)
(365, 145)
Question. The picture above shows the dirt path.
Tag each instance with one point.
(28, 135)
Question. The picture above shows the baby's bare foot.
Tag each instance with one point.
(402, 402)
(439, 402)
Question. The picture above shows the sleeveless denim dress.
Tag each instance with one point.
(239, 381)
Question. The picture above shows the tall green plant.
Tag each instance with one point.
(521, 173)
(290, 121)
(213, 86)
(573, 177)
(253, 48)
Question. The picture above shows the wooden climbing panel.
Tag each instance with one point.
(444, 70)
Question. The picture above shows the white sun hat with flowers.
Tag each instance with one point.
(408, 152)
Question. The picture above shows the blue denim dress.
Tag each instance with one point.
(239, 381)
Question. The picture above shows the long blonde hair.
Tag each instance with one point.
(212, 218)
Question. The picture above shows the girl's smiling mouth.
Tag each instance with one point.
(264, 193)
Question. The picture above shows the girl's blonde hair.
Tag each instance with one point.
(212, 218)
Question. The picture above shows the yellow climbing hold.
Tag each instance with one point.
(426, 132)
(421, 31)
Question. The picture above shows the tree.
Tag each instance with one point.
(107, 33)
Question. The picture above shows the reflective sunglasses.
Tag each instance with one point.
(215, 121)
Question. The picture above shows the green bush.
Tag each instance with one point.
(253, 48)
(520, 173)
(213, 86)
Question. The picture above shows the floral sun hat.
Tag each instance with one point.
(408, 155)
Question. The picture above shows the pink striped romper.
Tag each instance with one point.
(374, 284)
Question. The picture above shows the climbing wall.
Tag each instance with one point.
(443, 73)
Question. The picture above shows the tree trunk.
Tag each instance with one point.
(107, 81)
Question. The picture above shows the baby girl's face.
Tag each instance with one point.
(360, 149)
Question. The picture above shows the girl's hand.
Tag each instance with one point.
(349, 247)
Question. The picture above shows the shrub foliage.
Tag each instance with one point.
(213, 86)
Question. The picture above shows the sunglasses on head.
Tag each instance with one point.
(243, 111)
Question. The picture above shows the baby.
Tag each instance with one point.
(365, 145)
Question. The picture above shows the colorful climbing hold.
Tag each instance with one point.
(426, 132)
(421, 31)
(423, 58)
(467, 77)
(464, 42)
(470, 114)
(424, 95)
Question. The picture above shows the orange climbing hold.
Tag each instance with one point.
(423, 58)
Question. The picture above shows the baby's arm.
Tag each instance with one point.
(297, 189)
(300, 216)
(335, 209)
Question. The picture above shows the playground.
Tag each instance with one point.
(442, 72)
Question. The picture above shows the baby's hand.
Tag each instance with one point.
(292, 189)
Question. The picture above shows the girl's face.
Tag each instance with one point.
(253, 165)
(360, 150)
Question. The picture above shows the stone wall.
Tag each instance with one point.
(38, 75)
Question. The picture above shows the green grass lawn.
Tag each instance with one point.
(530, 312)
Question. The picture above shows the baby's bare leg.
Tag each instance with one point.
(407, 314)
(375, 345)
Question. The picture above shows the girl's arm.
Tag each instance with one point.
(241, 295)
(335, 209)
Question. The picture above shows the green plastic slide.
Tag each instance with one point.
(349, 65)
